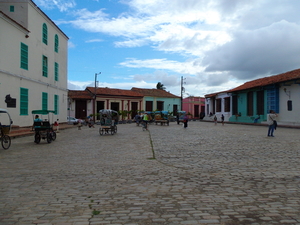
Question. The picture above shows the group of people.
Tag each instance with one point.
(143, 118)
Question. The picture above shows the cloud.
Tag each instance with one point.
(62, 5)
(269, 50)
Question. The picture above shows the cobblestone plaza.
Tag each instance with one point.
(205, 174)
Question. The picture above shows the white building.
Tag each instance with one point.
(33, 62)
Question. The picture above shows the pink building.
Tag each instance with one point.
(195, 106)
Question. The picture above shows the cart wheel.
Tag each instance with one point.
(101, 131)
(53, 135)
(116, 129)
(5, 141)
(37, 138)
(49, 137)
(112, 131)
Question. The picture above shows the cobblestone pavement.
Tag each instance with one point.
(204, 174)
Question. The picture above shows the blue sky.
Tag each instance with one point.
(214, 44)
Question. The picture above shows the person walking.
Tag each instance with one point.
(272, 123)
(146, 119)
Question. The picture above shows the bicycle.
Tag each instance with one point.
(5, 139)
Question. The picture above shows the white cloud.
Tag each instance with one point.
(62, 5)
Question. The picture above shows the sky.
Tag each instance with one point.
(208, 46)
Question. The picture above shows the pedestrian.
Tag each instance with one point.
(272, 123)
(146, 119)
(216, 120)
(56, 124)
(222, 119)
(185, 121)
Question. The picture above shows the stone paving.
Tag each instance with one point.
(204, 174)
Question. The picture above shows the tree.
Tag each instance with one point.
(160, 86)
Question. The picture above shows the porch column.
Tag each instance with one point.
(107, 103)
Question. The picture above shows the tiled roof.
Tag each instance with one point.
(154, 92)
(288, 76)
(80, 94)
(114, 92)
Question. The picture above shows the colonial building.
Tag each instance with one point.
(252, 101)
(194, 106)
(91, 100)
(33, 62)
(157, 99)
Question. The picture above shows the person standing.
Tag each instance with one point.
(185, 121)
(216, 120)
(146, 120)
(272, 123)
(222, 119)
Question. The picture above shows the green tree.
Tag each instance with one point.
(160, 86)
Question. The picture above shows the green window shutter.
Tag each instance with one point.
(45, 66)
(11, 8)
(56, 69)
(45, 34)
(56, 43)
(23, 101)
(56, 98)
(24, 56)
(44, 101)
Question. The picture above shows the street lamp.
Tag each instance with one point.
(95, 95)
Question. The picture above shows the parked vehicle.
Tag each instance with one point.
(5, 126)
(43, 128)
(72, 120)
(162, 117)
(108, 121)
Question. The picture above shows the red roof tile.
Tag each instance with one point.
(154, 92)
(114, 92)
(291, 75)
(80, 94)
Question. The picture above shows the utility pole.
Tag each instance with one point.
(182, 90)
(95, 96)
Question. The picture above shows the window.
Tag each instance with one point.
(24, 56)
(149, 105)
(45, 66)
(23, 101)
(44, 101)
(56, 43)
(56, 104)
(160, 105)
(56, 67)
(227, 104)
(289, 105)
(250, 103)
(45, 34)
(234, 105)
(260, 99)
(11, 8)
(218, 104)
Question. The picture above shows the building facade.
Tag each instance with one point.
(33, 62)
(194, 106)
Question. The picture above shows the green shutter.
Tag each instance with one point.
(44, 101)
(56, 69)
(23, 101)
(56, 43)
(11, 8)
(24, 56)
(56, 97)
(45, 66)
(45, 34)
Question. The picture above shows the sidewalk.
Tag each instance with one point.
(27, 131)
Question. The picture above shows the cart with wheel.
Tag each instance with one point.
(162, 117)
(108, 121)
(5, 126)
(43, 129)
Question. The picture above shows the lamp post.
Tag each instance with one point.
(95, 95)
